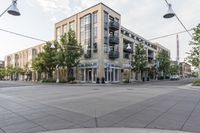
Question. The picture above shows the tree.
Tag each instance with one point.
(193, 55)
(164, 62)
(38, 63)
(174, 69)
(46, 60)
(140, 59)
(69, 52)
(2, 73)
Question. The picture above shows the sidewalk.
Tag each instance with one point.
(114, 130)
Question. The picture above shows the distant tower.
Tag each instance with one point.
(177, 56)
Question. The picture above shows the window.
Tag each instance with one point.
(95, 32)
(72, 26)
(85, 32)
(64, 29)
(106, 32)
(58, 34)
(117, 20)
(95, 18)
(111, 18)
(105, 17)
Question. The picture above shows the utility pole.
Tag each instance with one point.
(177, 52)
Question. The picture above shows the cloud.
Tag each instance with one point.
(30, 3)
(54, 19)
(143, 17)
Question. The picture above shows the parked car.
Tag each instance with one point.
(174, 77)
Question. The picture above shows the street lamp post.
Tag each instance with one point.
(12, 9)
(170, 13)
(129, 49)
(57, 66)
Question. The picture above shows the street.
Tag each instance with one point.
(33, 107)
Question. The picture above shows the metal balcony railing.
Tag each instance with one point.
(113, 25)
(113, 40)
(113, 54)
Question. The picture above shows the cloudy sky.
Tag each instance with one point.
(143, 17)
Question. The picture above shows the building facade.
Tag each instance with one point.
(185, 70)
(108, 47)
(1, 64)
(23, 59)
(104, 40)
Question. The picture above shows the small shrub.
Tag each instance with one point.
(48, 80)
(71, 79)
(62, 81)
(126, 81)
(196, 82)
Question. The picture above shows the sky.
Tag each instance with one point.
(144, 17)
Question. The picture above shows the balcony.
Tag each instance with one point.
(113, 54)
(150, 56)
(88, 54)
(127, 50)
(113, 25)
(113, 40)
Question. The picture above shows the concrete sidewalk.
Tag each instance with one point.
(114, 130)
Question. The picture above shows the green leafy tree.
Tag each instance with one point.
(174, 69)
(193, 55)
(69, 52)
(38, 63)
(2, 73)
(164, 62)
(46, 60)
(140, 59)
(10, 72)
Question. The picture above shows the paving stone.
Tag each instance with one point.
(53, 123)
(193, 123)
(7, 116)
(131, 123)
(122, 113)
(169, 121)
(1, 131)
(72, 116)
(33, 130)
(11, 121)
(76, 127)
(18, 127)
(36, 115)
(96, 123)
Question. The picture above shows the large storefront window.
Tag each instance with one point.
(111, 73)
(88, 72)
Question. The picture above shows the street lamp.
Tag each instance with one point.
(129, 50)
(12, 9)
(57, 66)
(170, 13)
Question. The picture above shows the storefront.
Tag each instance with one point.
(112, 72)
(88, 72)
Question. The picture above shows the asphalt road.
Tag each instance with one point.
(30, 107)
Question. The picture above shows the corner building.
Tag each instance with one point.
(104, 41)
